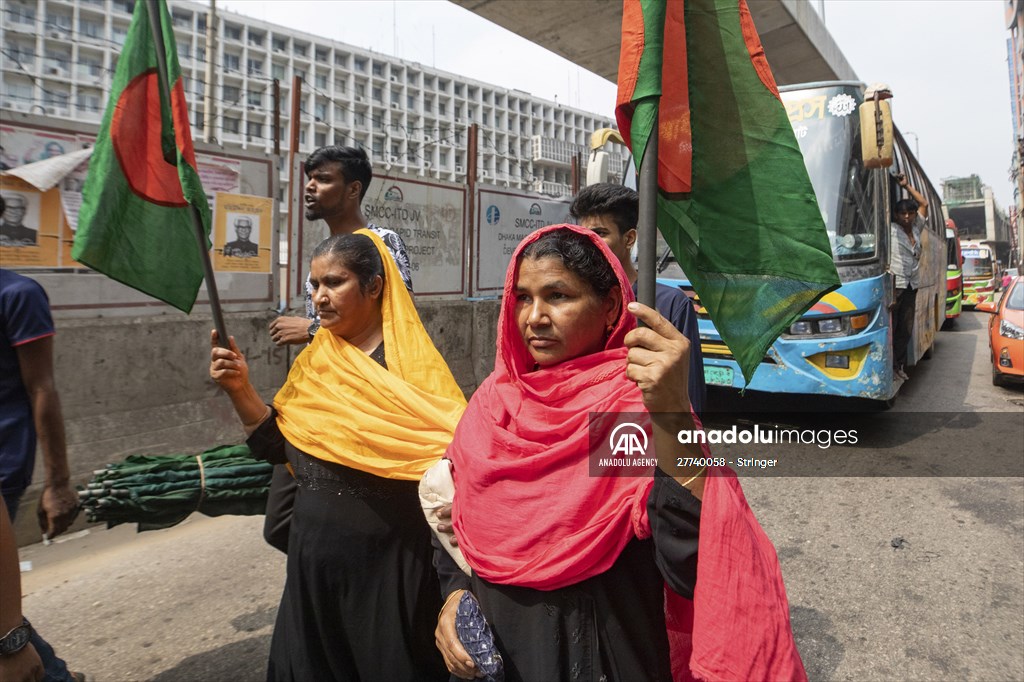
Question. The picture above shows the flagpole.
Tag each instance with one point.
(153, 7)
(647, 225)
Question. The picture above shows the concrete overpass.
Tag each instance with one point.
(587, 33)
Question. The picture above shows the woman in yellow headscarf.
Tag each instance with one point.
(366, 409)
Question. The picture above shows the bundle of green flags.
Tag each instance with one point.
(161, 491)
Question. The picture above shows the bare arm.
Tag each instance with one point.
(230, 370)
(58, 504)
(659, 360)
(922, 203)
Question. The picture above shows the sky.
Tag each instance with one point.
(945, 62)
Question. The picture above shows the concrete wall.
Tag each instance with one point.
(141, 385)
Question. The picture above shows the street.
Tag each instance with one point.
(890, 577)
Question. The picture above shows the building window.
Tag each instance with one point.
(231, 94)
(378, 94)
(301, 49)
(458, 89)
(254, 129)
(255, 67)
(378, 69)
(321, 81)
(280, 44)
(277, 71)
(340, 86)
(255, 99)
(232, 62)
(231, 125)
(360, 90)
(320, 139)
(256, 39)
(232, 32)
(410, 102)
(184, 50)
(360, 64)
(22, 14)
(320, 111)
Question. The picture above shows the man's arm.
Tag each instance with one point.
(922, 203)
(58, 505)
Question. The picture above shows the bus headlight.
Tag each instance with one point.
(802, 327)
(832, 325)
(1010, 330)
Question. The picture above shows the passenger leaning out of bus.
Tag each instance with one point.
(904, 264)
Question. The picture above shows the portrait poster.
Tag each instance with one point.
(242, 231)
(30, 225)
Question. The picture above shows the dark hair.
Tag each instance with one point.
(618, 202)
(579, 255)
(354, 163)
(906, 205)
(357, 253)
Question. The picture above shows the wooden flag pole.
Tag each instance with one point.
(153, 7)
(647, 225)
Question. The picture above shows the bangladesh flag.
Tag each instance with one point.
(135, 223)
(734, 201)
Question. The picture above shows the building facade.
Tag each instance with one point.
(59, 57)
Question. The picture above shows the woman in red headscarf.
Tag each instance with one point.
(580, 574)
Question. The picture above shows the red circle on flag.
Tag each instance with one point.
(135, 132)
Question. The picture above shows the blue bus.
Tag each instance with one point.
(843, 345)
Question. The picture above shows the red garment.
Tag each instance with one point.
(520, 453)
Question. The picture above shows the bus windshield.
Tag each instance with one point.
(977, 263)
(827, 128)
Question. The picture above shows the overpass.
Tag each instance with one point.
(587, 32)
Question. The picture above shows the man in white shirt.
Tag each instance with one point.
(904, 264)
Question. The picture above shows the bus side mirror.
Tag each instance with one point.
(876, 133)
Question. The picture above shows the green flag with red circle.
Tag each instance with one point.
(135, 224)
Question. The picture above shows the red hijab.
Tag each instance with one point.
(528, 512)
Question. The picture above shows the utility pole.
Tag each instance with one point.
(276, 93)
(211, 45)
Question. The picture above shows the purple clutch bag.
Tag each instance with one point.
(477, 639)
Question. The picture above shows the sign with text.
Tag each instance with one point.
(430, 219)
(503, 220)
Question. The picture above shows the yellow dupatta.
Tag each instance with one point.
(340, 406)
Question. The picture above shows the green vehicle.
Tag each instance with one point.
(954, 273)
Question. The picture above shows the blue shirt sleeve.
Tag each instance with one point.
(26, 311)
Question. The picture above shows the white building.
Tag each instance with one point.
(59, 56)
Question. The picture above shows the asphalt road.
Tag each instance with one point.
(890, 576)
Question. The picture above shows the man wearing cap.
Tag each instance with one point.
(242, 247)
(12, 232)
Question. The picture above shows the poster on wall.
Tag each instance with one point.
(30, 225)
(504, 219)
(430, 220)
(242, 227)
(218, 174)
(21, 146)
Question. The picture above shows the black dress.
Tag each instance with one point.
(360, 601)
(610, 627)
